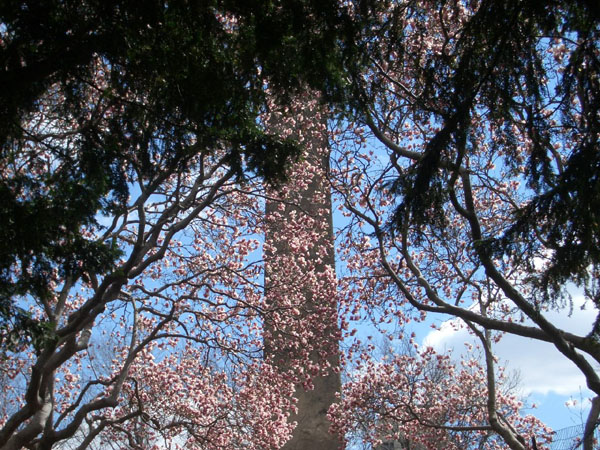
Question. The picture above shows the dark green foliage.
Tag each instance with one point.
(18, 329)
(497, 67)
(144, 87)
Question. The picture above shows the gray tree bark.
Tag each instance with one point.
(591, 424)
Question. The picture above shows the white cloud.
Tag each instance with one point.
(542, 368)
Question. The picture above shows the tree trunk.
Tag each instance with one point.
(591, 425)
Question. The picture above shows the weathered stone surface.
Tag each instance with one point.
(315, 201)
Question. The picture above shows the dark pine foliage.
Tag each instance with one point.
(497, 66)
(182, 82)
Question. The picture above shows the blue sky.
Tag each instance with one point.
(547, 378)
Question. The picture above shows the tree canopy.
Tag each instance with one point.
(484, 205)
(98, 93)
(135, 160)
(495, 64)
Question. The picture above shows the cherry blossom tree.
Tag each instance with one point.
(184, 344)
(176, 69)
(142, 292)
(477, 203)
(145, 163)
(422, 399)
